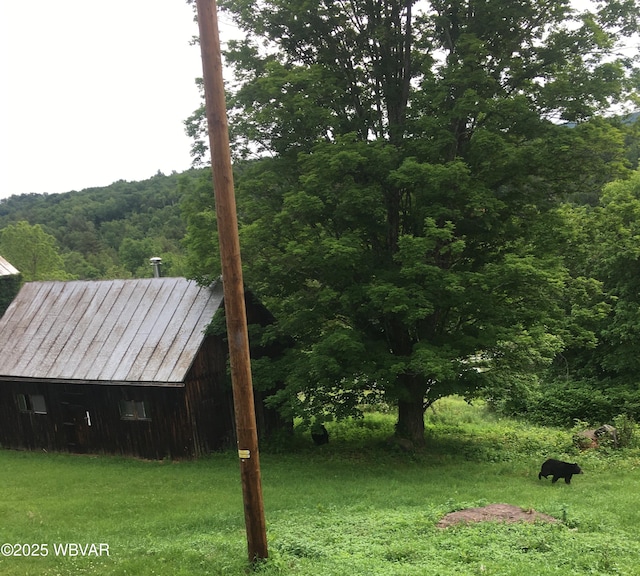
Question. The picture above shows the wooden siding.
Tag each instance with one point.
(209, 399)
(65, 427)
(182, 422)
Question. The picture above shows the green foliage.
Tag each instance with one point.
(626, 430)
(201, 239)
(32, 251)
(9, 288)
(615, 230)
(110, 232)
(595, 378)
(598, 144)
(322, 264)
(560, 401)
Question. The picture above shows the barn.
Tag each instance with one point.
(119, 367)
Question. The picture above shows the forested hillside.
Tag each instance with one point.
(108, 232)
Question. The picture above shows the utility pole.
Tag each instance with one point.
(234, 302)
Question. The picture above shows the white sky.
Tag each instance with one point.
(94, 92)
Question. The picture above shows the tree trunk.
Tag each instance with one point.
(410, 424)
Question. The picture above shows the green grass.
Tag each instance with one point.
(355, 506)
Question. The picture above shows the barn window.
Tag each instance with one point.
(133, 410)
(22, 403)
(38, 404)
(32, 403)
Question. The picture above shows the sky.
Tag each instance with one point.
(94, 92)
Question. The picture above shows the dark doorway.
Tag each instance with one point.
(77, 422)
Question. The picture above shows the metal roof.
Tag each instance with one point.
(145, 331)
(6, 269)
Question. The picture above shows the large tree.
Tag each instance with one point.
(399, 220)
(34, 252)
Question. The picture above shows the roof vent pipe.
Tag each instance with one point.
(155, 262)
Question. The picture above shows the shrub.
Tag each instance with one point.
(626, 430)
(560, 402)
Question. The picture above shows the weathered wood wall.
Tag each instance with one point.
(184, 421)
(66, 428)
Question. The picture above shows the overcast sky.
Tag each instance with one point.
(94, 92)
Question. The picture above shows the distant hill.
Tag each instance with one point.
(627, 119)
(110, 231)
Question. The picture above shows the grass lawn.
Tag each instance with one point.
(355, 506)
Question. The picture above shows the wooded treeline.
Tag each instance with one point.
(99, 233)
(433, 199)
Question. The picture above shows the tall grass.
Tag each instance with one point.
(355, 506)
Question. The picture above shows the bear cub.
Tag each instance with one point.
(320, 435)
(559, 469)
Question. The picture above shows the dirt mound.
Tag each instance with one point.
(494, 513)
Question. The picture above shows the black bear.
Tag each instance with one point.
(559, 469)
(319, 435)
